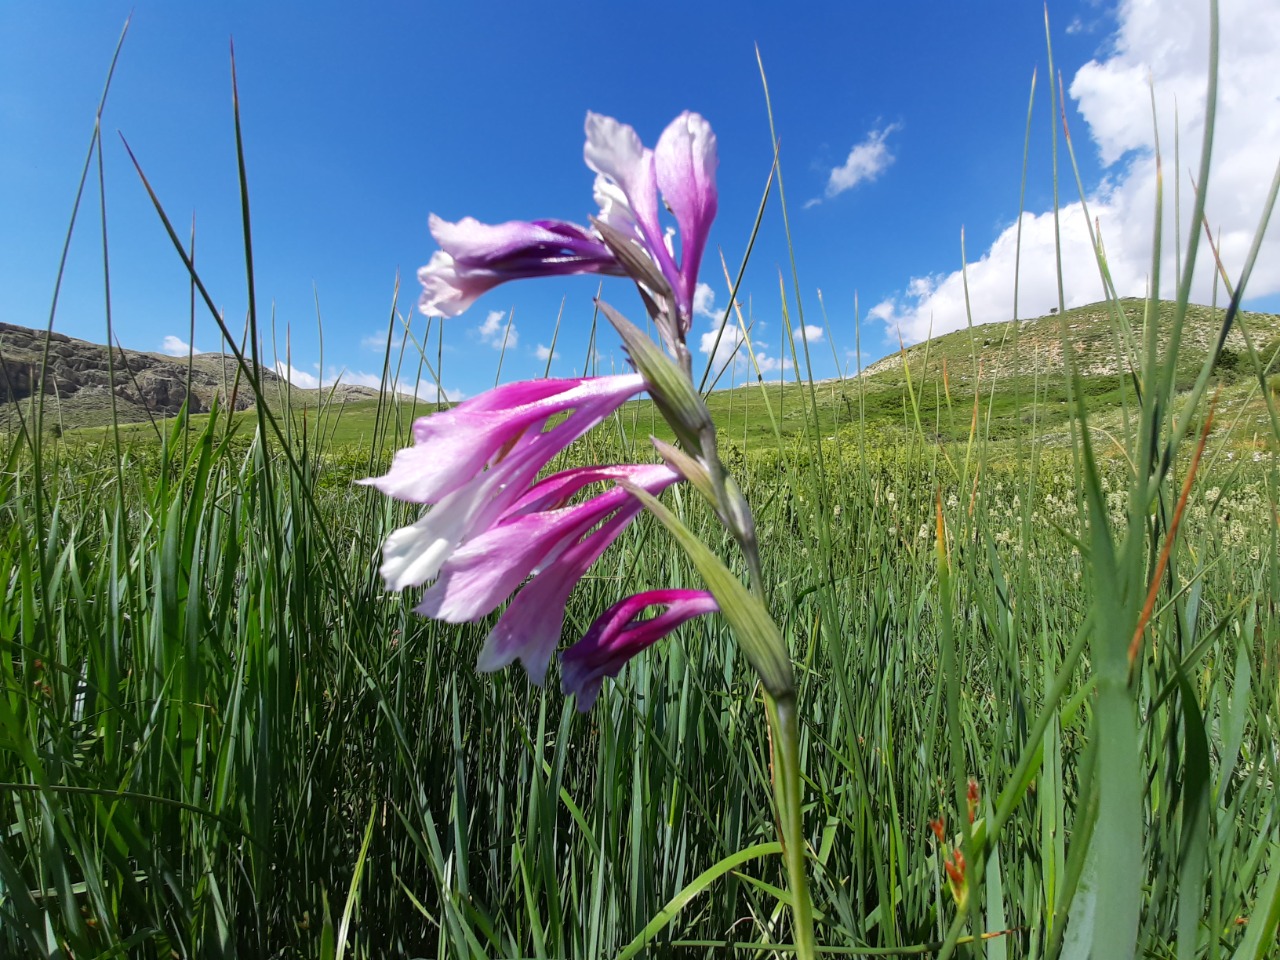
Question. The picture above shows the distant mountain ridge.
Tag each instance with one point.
(81, 378)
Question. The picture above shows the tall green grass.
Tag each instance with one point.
(222, 738)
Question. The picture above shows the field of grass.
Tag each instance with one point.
(935, 394)
(224, 738)
(1033, 621)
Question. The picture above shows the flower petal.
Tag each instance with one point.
(487, 568)
(615, 210)
(617, 636)
(452, 446)
(685, 170)
(446, 291)
(529, 629)
(475, 257)
(614, 151)
(414, 554)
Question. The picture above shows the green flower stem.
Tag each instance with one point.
(784, 744)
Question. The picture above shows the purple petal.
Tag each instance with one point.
(617, 636)
(452, 446)
(556, 490)
(529, 629)
(685, 169)
(487, 568)
(475, 257)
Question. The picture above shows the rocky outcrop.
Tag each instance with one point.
(81, 377)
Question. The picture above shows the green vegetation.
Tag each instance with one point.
(224, 737)
(1033, 616)
(1012, 386)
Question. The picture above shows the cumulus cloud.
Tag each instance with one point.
(544, 353)
(935, 304)
(496, 332)
(731, 345)
(299, 378)
(177, 347)
(704, 300)
(732, 349)
(423, 389)
(810, 332)
(1164, 43)
(866, 161)
(769, 364)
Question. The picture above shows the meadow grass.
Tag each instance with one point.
(222, 737)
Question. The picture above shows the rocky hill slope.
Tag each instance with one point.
(82, 377)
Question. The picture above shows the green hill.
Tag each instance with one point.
(1016, 369)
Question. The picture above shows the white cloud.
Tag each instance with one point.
(299, 378)
(866, 161)
(495, 332)
(704, 300)
(731, 345)
(769, 364)
(375, 341)
(424, 389)
(733, 348)
(936, 304)
(810, 332)
(177, 347)
(1167, 43)
(543, 352)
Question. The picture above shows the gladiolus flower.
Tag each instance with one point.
(493, 532)
(475, 257)
(485, 570)
(491, 528)
(475, 460)
(618, 635)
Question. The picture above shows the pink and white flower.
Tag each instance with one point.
(475, 257)
(493, 530)
(475, 460)
(491, 527)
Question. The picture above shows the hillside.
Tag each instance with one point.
(1034, 347)
(82, 377)
(1020, 375)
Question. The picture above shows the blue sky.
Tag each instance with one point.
(359, 126)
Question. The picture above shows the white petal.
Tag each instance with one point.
(442, 288)
(614, 208)
(414, 554)
(613, 149)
